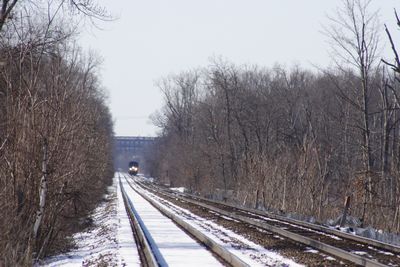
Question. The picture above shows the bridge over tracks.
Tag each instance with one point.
(128, 148)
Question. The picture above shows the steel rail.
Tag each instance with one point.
(147, 256)
(219, 250)
(359, 239)
(340, 253)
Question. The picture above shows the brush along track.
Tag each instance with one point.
(366, 253)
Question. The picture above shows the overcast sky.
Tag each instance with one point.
(151, 39)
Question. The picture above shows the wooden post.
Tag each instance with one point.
(346, 208)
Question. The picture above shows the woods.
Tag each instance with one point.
(292, 140)
(282, 140)
(285, 139)
(55, 132)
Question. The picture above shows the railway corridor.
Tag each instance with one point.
(143, 224)
(172, 246)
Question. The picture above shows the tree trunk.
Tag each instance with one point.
(42, 191)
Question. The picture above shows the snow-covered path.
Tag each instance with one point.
(174, 246)
(129, 255)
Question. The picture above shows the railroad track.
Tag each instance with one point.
(149, 254)
(358, 250)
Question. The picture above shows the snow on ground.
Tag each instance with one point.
(361, 253)
(129, 255)
(109, 242)
(178, 189)
(246, 250)
(311, 250)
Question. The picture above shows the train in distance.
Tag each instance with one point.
(133, 168)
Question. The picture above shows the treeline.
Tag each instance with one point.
(290, 140)
(55, 133)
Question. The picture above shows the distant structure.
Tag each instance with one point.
(128, 148)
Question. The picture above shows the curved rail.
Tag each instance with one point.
(338, 252)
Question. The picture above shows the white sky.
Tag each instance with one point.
(152, 39)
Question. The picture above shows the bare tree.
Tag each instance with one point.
(354, 33)
(391, 84)
(89, 8)
(53, 118)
